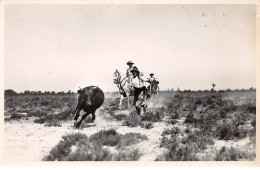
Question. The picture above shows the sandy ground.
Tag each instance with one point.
(28, 141)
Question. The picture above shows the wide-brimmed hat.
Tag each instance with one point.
(135, 69)
(151, 74)
(129, 62)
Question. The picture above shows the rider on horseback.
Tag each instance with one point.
(128, 71)
(152, 80)
(129, 75)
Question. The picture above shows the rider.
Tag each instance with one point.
(128, 71)
(129, 75)
(151, 80)
(137, 81)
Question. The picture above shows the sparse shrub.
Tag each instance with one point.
(209, 101)
(132, 120)
(232, 154)
(120, 117)
(150, 116)
(248, 108)
(78, 147)
(40, 120)
(220, 102)
(147, 124)
(179, 152)
(173, 131)
(198, 102)
(15, 116)
(37, 113)
(85, 150)
(168, 141)
(106, 137)
(131, 139)
(171, 121)
(46, 102)
(190, 118)
(225, 130)
(128, 155)
(174, 115)
(203, 141)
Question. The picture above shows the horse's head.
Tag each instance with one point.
(116, 77)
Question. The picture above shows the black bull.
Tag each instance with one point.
(90, 99)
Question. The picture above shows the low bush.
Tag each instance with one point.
(173, 131)
(78, 147)
(106, 137)
(120, 117)
(37, 113)
(85, 150)
(179, 152)
(131, 139)
(15, 116)
(147, 124)
(128, 155)
(132, 120)
(151, 116)
(232, 154)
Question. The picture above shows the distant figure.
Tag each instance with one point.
(213, 85)
(90, 99)
(137, 81)
(153, 88)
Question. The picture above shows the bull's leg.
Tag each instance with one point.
(77, 108)
(93, 117)
(83, 117)
(77, 114)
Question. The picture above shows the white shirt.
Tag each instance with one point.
(138, 83)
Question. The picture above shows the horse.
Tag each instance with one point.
(123, 86)
(153, 88)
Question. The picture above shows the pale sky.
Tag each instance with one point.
(62, 47)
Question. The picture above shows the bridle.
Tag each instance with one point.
(118, 81)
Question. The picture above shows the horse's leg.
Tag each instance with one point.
(83, 117)
(128, 104)
(120, 103)
(138, 110)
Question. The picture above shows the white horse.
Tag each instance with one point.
(123, 86)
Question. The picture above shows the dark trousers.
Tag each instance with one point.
(137, 92)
